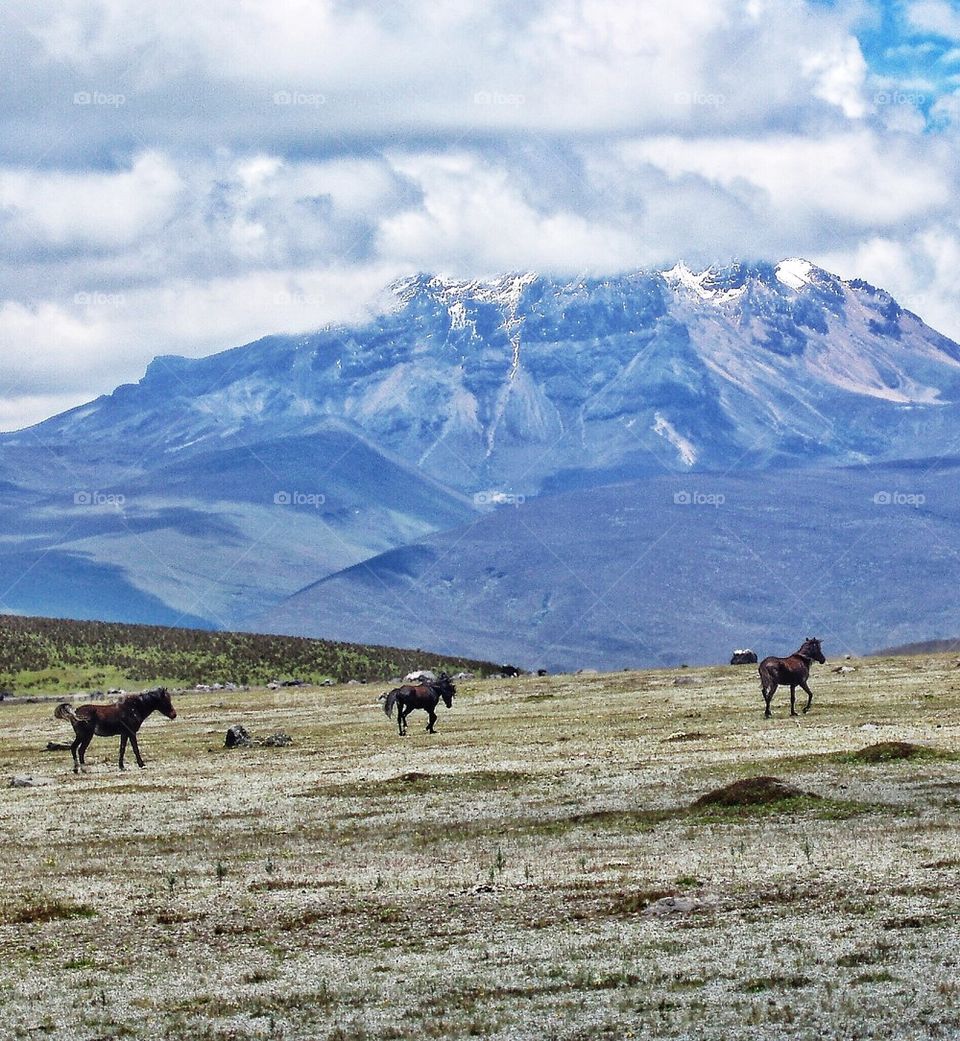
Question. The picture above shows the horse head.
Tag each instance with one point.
(445, 688)
(160, 698)
(811, 649)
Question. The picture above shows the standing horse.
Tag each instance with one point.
(423, 695)
(793, 670)
(124, 717)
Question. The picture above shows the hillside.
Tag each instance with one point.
(215, 491)
(53, 654)
(667, 570)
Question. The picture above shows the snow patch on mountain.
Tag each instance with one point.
(663, 427)
(794, 273)
(699, 283)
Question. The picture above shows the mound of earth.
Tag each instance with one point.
(752, 791)
(884, 751)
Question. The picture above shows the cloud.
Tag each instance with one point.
(93, 209)
(934, 16)
(191, 177)
(920, 270)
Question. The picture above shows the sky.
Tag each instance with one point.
(180, 178)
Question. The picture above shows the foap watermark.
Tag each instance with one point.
(302, 98)
(86, 299)
(85, 498)
(314, 499)
(704, 98)
(494, 497)
(285, 298)
(685, 498)
(495, 97)
(102, 98)
(885, 498)
(900, 97)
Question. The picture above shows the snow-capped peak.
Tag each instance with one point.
(794, 273)
(700, 283)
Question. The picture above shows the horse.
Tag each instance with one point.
(423, 695)
(793, 670)
(123, 717)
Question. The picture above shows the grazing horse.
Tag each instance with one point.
(793, 670)
(124, 717)
(423, 695)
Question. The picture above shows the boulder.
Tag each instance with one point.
(237, 737)
(27, 781)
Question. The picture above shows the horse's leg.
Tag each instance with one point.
(84, 743)
(806, 708)
(768, 692)
(431, 721)
(401, 719)
(136, 750)
(123, 749)
(793, 699)
(73, 752)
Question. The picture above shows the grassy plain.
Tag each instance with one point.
(499, 879)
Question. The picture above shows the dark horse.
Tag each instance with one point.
(793, 670)
(423, 695)
(124, 717)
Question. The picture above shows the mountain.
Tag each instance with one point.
(214, 489)
(662, 571)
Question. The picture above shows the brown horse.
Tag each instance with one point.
(793, 670)
(124, 717)
(423, 695)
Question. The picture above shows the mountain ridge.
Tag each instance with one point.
(460, 395)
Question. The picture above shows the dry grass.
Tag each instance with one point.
(493, 880)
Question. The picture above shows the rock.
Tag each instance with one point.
(27, 781)
(58, 746)
(420, 676)
(684, 681)
(670, 905)
(844, 668)
(280, 740)
(328, 683)
(237, 736)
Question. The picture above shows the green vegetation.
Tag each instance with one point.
(56, 654)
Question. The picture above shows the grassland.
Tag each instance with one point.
(498, 879)
(59, 655)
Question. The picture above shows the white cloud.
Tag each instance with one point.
(853, 177)
(922, 271)
(935, 16)
(89, 208)
(474, 216)
(839, 73)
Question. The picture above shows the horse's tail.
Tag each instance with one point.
(389, 700)
(65, 711)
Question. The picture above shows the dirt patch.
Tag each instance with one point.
(885, 751)
(752, 791)
(693, 735)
